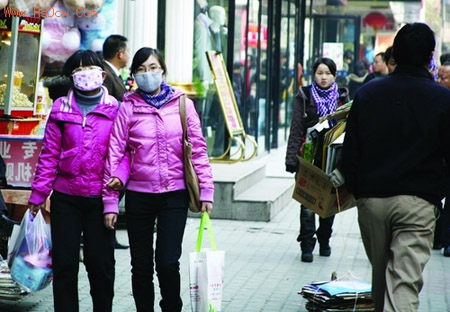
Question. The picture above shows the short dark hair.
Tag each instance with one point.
(388, 54)
(81, 58)
(444, 58)
(382, 54)
(414, 44)
(326, 61)
(142, 55)
(112, 45)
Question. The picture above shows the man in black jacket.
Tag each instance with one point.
(398, 133)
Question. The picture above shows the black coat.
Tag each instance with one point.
(397, 134)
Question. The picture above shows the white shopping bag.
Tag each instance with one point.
(206, 273)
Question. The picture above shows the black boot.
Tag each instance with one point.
(118, 245)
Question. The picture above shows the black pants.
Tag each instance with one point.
(170, 211)
(308, 229)
(443, 223)
(71, 216)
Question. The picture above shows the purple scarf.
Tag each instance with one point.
(325, 99)
(159, 99)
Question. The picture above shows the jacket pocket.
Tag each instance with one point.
(69, 162)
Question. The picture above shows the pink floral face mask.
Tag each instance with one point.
(88, 79)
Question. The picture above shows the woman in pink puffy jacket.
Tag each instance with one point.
(71, 164)
(148, 127)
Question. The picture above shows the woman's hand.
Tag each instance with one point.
(110, 220)
(114, 183)
(207, 206)
(34, 209)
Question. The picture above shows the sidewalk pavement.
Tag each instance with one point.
(263, 271)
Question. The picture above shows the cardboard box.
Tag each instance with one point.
(314, 190)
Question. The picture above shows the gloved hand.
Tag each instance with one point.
(291, 168)
(336, 178)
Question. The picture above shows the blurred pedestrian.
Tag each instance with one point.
(149, 126)
(71, 165)
(389, 60)
(397, 177)
(116, 54)
(320, 98)
(380, 68)
(442, 232)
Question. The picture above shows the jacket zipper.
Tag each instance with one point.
(84, 121)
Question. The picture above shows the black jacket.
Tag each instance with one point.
(301, 122)
(397, 134)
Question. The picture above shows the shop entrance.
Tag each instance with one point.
(336, 37)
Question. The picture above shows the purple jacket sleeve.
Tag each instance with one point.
(200, 158)
(47, 163)
(118, 160)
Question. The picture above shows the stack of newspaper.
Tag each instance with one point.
(9, 289)
(338, 296)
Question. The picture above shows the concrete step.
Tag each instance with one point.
(263, 200)
(241, 174)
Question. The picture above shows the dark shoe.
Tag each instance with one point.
(447, 251)
(307, 256)
(437, 246)
(325, 250)
(118, 245)
(6, 225)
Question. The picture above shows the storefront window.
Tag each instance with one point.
(210, 34)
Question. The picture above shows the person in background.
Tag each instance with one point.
(398, 200)
(380, 68)
(389, 60)
(319, 99)
(148, 125)
(115, 57)
(356, 79)
(444, 58)
(442, 231)
(71, 164)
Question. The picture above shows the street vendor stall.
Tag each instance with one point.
(21, 106)
(21, 111)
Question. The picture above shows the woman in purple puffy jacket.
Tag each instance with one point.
(71, 164)
(148, 126)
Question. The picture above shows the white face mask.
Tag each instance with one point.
(148, 82)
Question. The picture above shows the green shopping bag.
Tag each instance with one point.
(206, 267)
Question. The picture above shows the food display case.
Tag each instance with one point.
(20, 50)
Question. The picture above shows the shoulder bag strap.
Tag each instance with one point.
(183, 116)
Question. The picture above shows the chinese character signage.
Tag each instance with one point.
(21, 158)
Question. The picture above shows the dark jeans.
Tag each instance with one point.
(170, 211)
(308, 229)
(71, 216)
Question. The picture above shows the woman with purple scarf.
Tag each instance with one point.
(148, 129)
(321, 98)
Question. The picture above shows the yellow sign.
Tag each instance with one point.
(225, 93)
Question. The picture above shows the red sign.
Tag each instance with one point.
(21, 158)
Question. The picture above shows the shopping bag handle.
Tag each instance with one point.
(205, 219)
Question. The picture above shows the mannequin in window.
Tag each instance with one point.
(218, 29)
(203, 43)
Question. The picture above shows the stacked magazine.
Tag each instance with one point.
(338, 296)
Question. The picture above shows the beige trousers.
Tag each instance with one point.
(397, 233)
